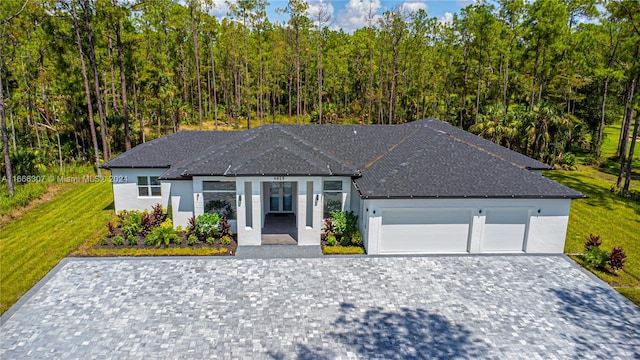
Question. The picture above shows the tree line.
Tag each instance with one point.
(83, 80)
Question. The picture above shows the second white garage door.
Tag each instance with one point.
(424, 231)
(504, 230)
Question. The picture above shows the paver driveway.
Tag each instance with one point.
(366, 307)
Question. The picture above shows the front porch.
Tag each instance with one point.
(280, 229)
(272, 210)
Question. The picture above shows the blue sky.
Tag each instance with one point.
(350, 15)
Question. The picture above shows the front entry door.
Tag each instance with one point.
(281, 197)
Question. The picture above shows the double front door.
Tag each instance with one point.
(281, 197)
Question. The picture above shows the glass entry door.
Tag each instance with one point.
(281, 197)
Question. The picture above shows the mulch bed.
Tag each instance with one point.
(233, 246)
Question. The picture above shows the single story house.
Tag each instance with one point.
(419, 187)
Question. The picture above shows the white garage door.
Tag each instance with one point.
(504, 230)
(424, 231)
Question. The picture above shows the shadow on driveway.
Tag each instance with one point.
(614, 323)
(403, 334)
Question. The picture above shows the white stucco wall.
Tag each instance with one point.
(545, 231)
(125, 191)
(181, 201)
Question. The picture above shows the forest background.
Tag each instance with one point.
(84, 80)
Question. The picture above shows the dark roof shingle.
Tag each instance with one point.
(422, 159)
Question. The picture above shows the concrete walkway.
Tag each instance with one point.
(278, 252)
(464, 307)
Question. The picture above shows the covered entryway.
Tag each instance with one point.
(504, 230)
(280, 229)
(425, 231)
(279, 226)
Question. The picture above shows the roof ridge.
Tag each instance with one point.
(472, 145)
(322, 152)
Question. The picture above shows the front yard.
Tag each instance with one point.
(615, 220)
(36, 242)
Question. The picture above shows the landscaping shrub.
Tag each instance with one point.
(596, 257)
(568, 161)
(146, 224)
(344, 222)
(131, 229)
(617, 258)
(111, 228)
(208, 225)
(104, 241)
(192, 225)
(328, 226)
(132, 239)
(164, 234)
(117, 240)
(331, 240)
(210, 240)
(345, 240)
(225, 240)
(593, 240)
(150, 239)
(192, 240)
(356, 238)
(157, 215)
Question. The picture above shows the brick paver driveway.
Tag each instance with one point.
(503, 307)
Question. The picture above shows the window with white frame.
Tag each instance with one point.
(220, 197)
(149, 186)
(332, 191)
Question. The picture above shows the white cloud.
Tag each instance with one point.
(409, 7)
(320, 8)
(219, 9)
(446, 19)
(357, 14)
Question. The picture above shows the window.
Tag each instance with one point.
(149, 186)
(332, 196)
(220, 197)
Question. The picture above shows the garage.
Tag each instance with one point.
(504, 230)
(425, 231)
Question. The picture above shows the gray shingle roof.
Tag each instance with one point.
(422, 159)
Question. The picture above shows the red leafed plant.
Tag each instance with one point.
(146, 222)
(593, 240)
(112, 228)
(617, 258)
(157, 215)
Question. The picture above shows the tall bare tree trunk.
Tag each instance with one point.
(5, 139)
(627, 180)
(87, 90)
(625, 132)
(96, 83)
(215, 90)
(112, 72)
(602, 116)
(197, 56)
(123, 86)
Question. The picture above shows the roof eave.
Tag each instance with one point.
(405, 197)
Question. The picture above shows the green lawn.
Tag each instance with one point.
(616, 220)
(33, 244)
